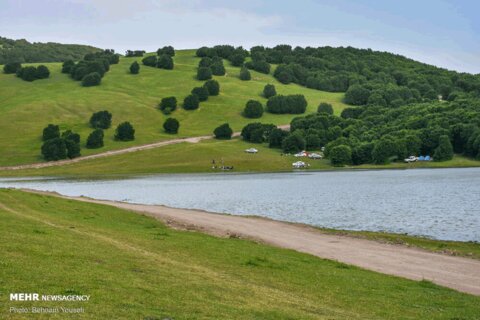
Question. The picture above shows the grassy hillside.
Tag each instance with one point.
(26, 108)
(134, 267)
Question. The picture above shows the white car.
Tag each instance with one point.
(300, 154)
(315, 156)
(251, 150)
(300, 165)
(410, 159)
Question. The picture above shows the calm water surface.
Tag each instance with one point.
(440, 203)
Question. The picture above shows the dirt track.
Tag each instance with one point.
(462, 274)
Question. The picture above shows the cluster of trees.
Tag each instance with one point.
(259, 60)
(31, 73)
(293, 104)
(134, 53)
(223, 132)
(92, 68)
(162, 60)
(199, 94)
(22, 51)
(209, 66)
(58, 146)
(236, 56)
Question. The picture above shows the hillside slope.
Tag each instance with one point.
(27, 108)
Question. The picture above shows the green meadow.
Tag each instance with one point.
(134, 267)
(27, 107)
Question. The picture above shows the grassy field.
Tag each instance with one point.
(27, 107)
(197, 158)
(134, 267)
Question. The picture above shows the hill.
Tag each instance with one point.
(26, 52)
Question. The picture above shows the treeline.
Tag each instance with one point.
(379, 135)
(92, 68)
(22, 51)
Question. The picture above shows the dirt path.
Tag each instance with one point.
(117, 152)
(462, 274)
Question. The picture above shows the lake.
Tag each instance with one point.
(440, 203)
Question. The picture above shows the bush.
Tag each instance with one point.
(237, 59)
(125, 132)
(269, 91)
(150, 61)
(167, 50)
(101, 120)
(27, 73)
(293, 104)
(324, 107)
(134, 68)
(245, 74)
(12, 67)
(444, 151)
(171, 125)
(168, 104)
(223, 132)
(165, 62)
(357, 95)
(202, 52)
(218, 69)
(383, 150)
(54, 149)
(213, 87)
(73, 148)
(191, 102)
(201, 93)
(91, 79)
(42, 72)
(341, 155)
(253, 109)
(257, 132)
(293, 143)
(276, 138)
(67, 66)
(204, 73)
(95, 139)
(51, 132)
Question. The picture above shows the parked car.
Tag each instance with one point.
(301, 154)
(251, 150)
(410, 159)
(315, 156)
(300, 165)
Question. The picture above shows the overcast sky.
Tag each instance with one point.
(440, 32)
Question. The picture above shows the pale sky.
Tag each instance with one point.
(440, 32)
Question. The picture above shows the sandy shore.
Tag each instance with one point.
(462, 274)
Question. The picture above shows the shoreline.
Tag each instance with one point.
(459, 273)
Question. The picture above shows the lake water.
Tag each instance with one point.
(441, 203)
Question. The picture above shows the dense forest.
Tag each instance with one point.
(23, 51)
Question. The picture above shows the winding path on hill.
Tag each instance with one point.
(118, 151)
(462, 274)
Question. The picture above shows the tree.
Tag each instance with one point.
(223, 132)
(54, 149)
(324, 107)
(91, 79)
(294, 104)
(12, 67)
(171, 125)
(269, 91)
(73, 148)
(444, 151)
(191, 102)
(150, 61)
(383, 150)
(125, 132)
(341, 155)
(357, 95)
(168, 50)
(204, 73)
(245, 74)
(276, 138)
(218, 69)
(201, 93)
(312, 142)
(42, 72)
(213, 87)
(134, 68)
(51, 132)
(237, 59)
(165, 62)
(95, 139)
(168, 104)
(293, 143)
(253, 109)
(101, 120)
(27, 73)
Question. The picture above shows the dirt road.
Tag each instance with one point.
(462, 274)
(117, 152)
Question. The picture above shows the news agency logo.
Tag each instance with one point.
(24, 297)
(47, 297)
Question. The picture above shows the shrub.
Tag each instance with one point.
(257, 132)
(27, 73)
(69, 135)
(12, 67)
(42, 72)
(293, 143)
(204, 73)
(444, 151)
(253, 109)
(245, 74)
(276, 138)
(91, 79)
(95, 139)
(237, 59)
(167, 50)
(101, 120)
(54, 149)
(269, 91)
(223, 132)
(51, 132)
(150, 61)
(171, 125)
(213, 87)
(165, 62)
(168, 104)
(324, 107)
(202, 52)
(191, 102)
(134, 68)
(341, 155)
(73, 148)
(218, 69)
(293, 104)
(201, 93)
(205, 62)
(67, 66)
(125, 132)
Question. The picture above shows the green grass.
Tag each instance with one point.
(26, 108)
(134, 267)
(197, 158)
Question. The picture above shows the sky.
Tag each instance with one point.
(444, 33)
